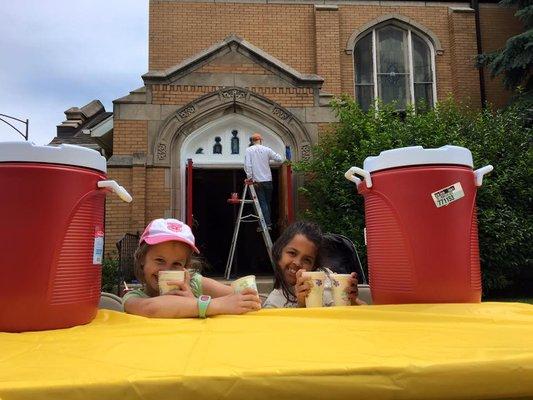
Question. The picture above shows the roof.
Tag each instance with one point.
(89, 126)
(240, 45)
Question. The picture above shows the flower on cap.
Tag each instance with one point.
(174, 226)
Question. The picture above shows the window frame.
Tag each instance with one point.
(410, 29)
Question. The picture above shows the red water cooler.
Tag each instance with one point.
(51, 242)
(421, 224)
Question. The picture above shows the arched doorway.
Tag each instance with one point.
(192, 132)
(216, 153)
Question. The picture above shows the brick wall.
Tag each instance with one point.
(303, 38)
(432, 17)
(465, 76)
(243, 68)
(138, 192)
(179, 30)
(158, 193)
(118, 212)
(150, 190)
(497, 25)
(327, 49)
(129, 136)
(181, 95)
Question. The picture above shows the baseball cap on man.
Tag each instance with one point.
(167, 229)
(256, 136)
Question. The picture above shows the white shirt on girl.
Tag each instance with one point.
(276, 298)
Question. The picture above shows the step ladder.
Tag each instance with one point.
(258, 216)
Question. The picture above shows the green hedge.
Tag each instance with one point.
(109, 274)
(501, 138)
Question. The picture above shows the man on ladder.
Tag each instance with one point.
(257, 168)
(258, 183)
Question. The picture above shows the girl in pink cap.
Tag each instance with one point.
(168, 244)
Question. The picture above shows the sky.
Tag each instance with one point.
(57, 54)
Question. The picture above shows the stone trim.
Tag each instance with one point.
(238, 44)
(139, 159)
(331, 7)
(467, 10)
(120, 161)
(137, 96)
(211, 106)
(393, 18)
(423, 3)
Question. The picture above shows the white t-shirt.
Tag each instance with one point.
(276, 299)
(257, 162)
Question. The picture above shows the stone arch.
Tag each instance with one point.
(200, 145)
(399, 20)
(177, 127)
(187, 119)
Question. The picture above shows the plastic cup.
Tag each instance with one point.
(247, 281)
(339, 284)
(168, 276)
(315, 296)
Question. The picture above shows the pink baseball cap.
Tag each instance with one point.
(164, 230)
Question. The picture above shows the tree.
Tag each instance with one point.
(514, 61)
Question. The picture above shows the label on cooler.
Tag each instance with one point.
(98, 251)
(448, 195)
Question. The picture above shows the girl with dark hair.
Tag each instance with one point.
(295, 252)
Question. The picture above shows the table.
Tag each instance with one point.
(445, 351)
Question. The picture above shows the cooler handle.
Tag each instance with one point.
(115, 187)
(478, 174)
(350, 175)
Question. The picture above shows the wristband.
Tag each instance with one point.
(203, 303)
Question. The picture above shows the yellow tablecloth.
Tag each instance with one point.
(447, 351)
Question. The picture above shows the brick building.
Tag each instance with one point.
(220, 70)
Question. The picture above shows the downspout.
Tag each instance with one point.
(475, 5)
(189, 193)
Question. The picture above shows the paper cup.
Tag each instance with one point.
(245, 282)
(315, 296)
(168, 276)
(339, 284)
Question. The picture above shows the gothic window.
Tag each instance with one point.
(217, 147)
(394, 64)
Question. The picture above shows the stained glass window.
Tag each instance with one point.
(394, 64)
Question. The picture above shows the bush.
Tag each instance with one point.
(502, 138)
(109, 275)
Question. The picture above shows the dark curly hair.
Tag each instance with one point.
(308, 229)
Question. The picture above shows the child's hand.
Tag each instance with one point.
(183, 288)
(237, 303)
(353, 291)
(302, 287)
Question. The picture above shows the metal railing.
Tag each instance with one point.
(27, 123)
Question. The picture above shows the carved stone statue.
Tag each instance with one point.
(234, 142)
(217, 147)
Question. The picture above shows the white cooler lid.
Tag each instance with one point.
(65, 154)
(417, 155)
